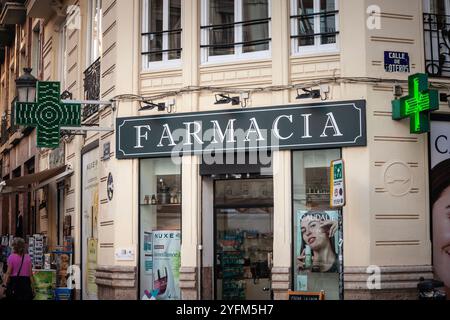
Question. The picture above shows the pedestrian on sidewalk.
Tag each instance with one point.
(19, 276)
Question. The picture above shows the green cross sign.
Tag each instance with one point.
(417, 105)
(338, 171)
(48, 114)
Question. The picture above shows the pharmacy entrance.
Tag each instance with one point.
(243, 214)
(237, 225)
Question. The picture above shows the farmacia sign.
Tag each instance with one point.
(296, 127)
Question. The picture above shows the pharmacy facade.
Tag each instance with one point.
(213, 181)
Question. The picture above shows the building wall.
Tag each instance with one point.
(385, 225)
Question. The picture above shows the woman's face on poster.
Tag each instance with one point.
(313, 233)
(441, 236)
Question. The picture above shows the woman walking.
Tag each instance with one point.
(19, 276)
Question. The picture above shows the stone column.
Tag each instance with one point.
(282, 241)
(191, 186)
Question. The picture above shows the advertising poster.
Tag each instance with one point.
(91, 266)
(44, 284)
(148, 253)
(440, 198)
(90, 203)
(166, 264)
(317, 250)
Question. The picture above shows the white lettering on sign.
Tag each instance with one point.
(189, 133)
(331, 124)
(306, 134)
(139, 135)
(276, 130)
(167, 134)
(229, 129)
(254, 128)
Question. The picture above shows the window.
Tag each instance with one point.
(235, 29)
(36, 52)
(314, 26)
(161, 33)
(317, 227)
(437, 48)
(95, 30)
(160, 228)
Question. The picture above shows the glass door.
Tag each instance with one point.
(243, 239)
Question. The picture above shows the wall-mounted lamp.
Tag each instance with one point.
(66, 95)
(148, 105)
(443, 97)
(26, 87)
(226, 99)
(308, 94)
(397, 90)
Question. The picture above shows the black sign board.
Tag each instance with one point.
(288, 127)
(396, 61)
(306, 296)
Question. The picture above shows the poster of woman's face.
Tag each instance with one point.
(440, 198)
(318, 241)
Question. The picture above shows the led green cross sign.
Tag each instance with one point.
(48, 114)
(418, 105)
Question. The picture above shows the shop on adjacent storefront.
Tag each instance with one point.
(235, 149)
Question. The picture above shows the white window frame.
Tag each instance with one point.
(36, 50)
(165, 63)
(427, 7)
(317, 47)
(94, 49)
(238, 55)
(63, 55)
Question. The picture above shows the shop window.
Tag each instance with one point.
(314, 26)
(160, 228)
(161, 33)
(317, 228)
(235, 29)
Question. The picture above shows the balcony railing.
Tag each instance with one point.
(91, 88)
(437, 44)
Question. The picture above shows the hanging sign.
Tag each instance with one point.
(48, 114)
(337, 184)
(396, 61)
(417, 105)
(288, 127)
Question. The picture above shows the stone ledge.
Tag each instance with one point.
(280, 277)
(407, 294)
(390, 269)
(281, 270)
(188, 270)
(188, 284)
(117, 269)
(281, 285)
(115, 283)
(188, 276)
(389, 277)
(115, 276)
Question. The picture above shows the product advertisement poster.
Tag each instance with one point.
(90, 203)
(166, 264)
(44, 284)
(317, 249)
(440, 198)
